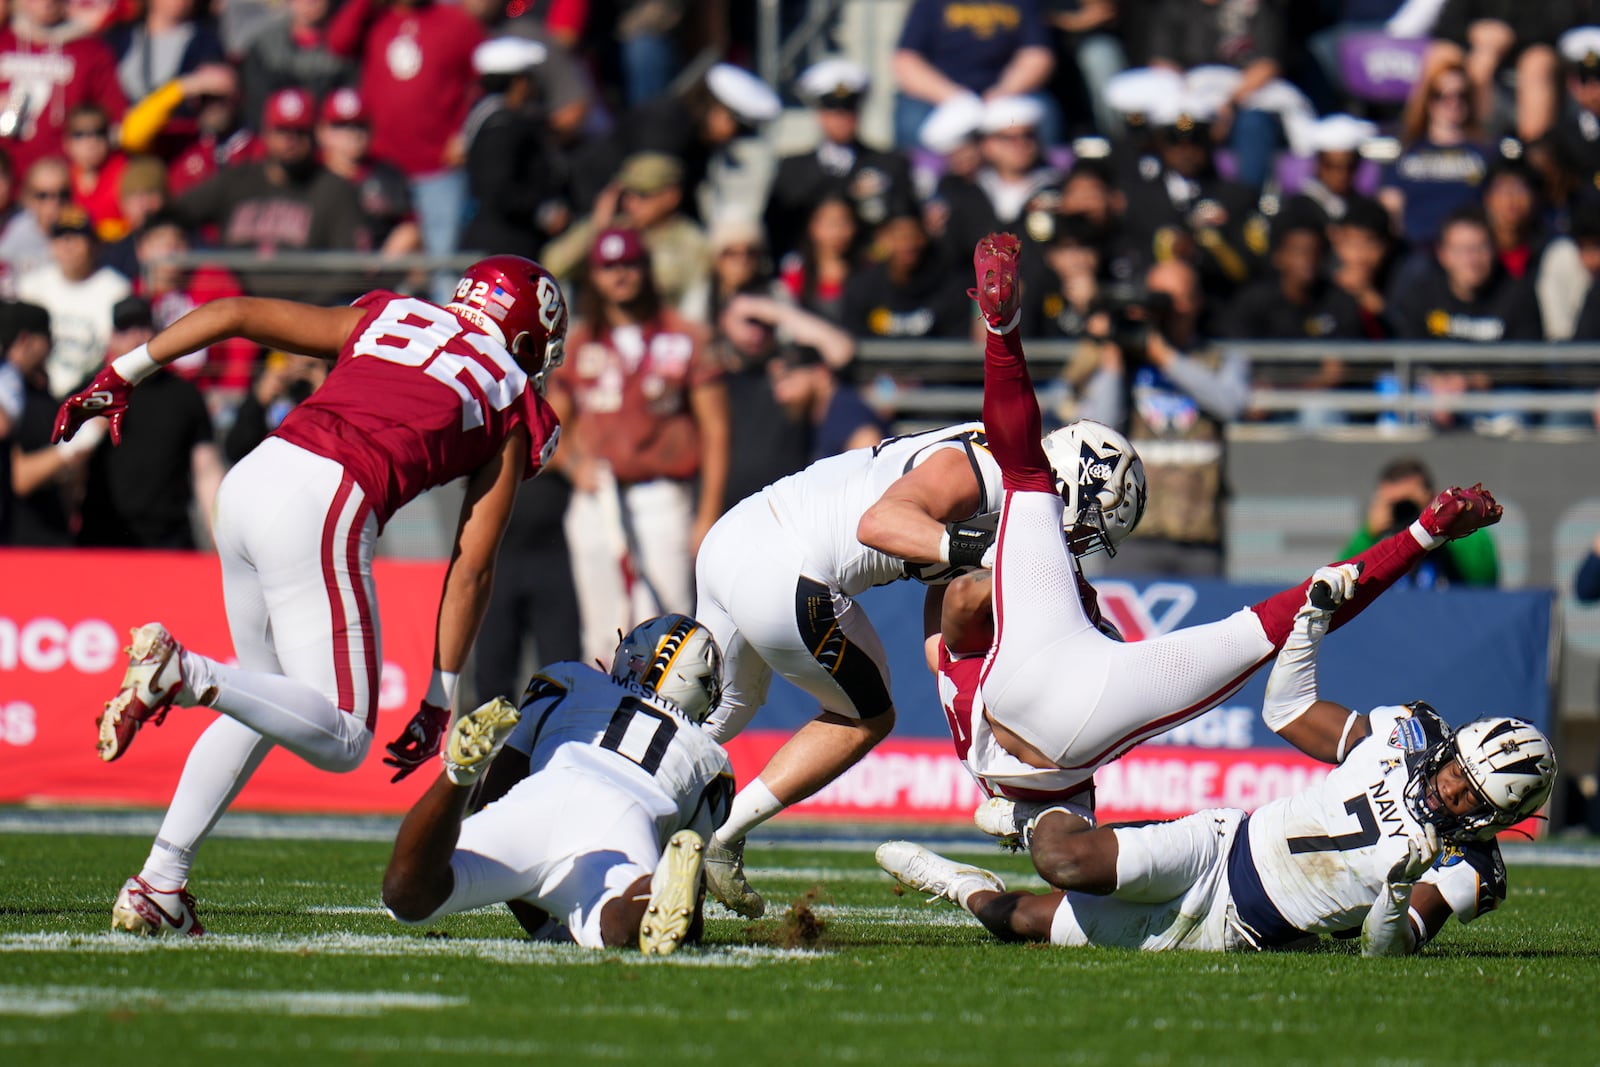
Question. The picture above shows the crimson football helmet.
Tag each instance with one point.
(521, 301)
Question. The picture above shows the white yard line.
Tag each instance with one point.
(50, 1000)
(512, 952)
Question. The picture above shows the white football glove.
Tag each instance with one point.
(1332, 586)
(1421, 850)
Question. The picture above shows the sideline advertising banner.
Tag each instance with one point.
(65, 616)
(1467, 652)
(64, 622)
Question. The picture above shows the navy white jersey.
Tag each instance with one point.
(576, 718)
(822, 505)
(1321, 856)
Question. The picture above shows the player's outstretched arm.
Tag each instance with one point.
(1293, 707)
(302, 328)
(287, 324)
(467, 584)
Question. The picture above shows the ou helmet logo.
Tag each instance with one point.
(1157, 609)
(552, 306)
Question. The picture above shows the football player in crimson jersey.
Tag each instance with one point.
(418, 396)
(1397, 838)
(1028, 737)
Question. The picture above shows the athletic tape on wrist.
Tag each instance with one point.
(135, 366)
(442, 688)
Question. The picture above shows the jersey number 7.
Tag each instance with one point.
(1361, 808)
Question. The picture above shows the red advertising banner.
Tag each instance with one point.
(65, 617)
(64, 621)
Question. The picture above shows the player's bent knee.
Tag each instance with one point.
(1067, 859)
(410, 899)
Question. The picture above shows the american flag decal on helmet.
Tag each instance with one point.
(499, 303)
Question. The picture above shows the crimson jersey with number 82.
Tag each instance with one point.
(417, 398)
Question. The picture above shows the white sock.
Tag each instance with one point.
(285, 711)
(964, 885)
(219, 765)
(754, 805)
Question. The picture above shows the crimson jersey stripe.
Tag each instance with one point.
(366, 619)
(330, 581)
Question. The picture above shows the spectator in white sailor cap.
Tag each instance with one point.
(514, 167)
(727, 103)
(1577, 133)
(1180, 207)
(874, 181)
(951, 130)
(1014, 188)
(1331, 189)
(944, 52)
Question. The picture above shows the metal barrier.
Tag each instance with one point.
(940, 379)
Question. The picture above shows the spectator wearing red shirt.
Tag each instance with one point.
(96, 170)
(48, 67)
(222, 371)
(648, 419)
(223, 142)
(417, 80)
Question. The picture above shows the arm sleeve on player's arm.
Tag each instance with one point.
(1292, 685)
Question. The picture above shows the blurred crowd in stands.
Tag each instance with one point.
(1180, 171)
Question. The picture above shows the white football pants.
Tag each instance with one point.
(294, 536)
(1073, 693)
(562, 839)
(767, 615)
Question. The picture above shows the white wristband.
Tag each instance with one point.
(1016, 317)
(944, 547)
(1344, 738)
(442, 688)
(135, 366)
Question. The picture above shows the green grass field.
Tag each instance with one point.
(303, 967)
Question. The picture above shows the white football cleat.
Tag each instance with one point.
(477, 737)
(674, 892)
(142, 909)
(726, 881)
(1013, 821)
(997, 817)
(928, 872)
(152, 682)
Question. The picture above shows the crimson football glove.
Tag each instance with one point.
(107, 395)
(420, 742)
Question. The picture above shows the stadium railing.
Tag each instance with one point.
(940, 380)
(922, 382)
